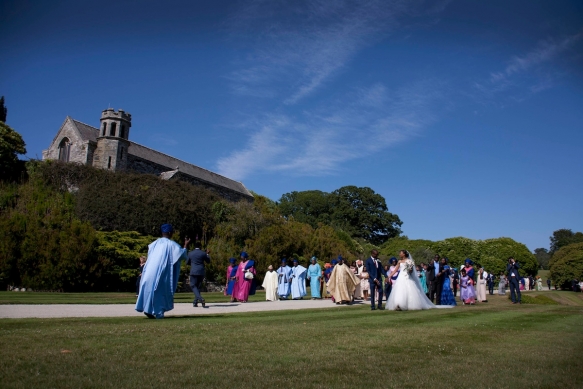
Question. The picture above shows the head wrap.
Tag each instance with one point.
(314, 259)
(167, 228)
(232, 260)
(244, 255)
(469, 261)
(334, 262)
(340, 258)
(269, 267)
(283, 260)
(393, 260)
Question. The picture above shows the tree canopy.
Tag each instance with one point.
(564, 237)
(11, 145)
(567, 264)
(542, 257)
(359, 211)
(492, 254)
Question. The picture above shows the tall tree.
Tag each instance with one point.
(364, 214)
(360, 212)
(564, 237)
(11, 144)
(3, 110)
(542, 257)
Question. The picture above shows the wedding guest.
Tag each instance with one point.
(513, 277)
(426, 286)
(270, 284)
(364, 284)
(283, 280)
(197, 260)
(244, 284)
(455, 281)
(502, 285)
(298, 281)
(387, 282)
(549, 283)
(230, 277)
(142, 264)
(521, 283)
(433, 278)
(490, 280)
(356, 268)
(539, 283)
(160, 275)
(481, 284)
(327, 274)
(393, 279)
(422, 277)
(447, 297)
(314, 275)
(467, 292)
(342, 283)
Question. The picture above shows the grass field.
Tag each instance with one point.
(103, 298)
(495, 344)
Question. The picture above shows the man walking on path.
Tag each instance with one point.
(160, 275)
(197, 259)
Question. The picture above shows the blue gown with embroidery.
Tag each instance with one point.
(160, 277)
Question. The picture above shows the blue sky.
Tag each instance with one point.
(467, 116)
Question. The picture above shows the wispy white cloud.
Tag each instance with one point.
(300, 46)
(526, 70)
(297, 49)
(317, 142)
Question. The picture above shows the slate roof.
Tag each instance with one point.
(87, 132)
(90, 133)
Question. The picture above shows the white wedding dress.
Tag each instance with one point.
(407, 293)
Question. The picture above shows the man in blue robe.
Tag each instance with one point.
(283, 280)
(160, 275)
(298, 281)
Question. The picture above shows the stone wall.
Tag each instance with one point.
(79, 147)
(110, 147)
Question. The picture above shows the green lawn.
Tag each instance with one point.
(103, 298)
(494, 344)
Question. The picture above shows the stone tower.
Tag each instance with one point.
(112, 143)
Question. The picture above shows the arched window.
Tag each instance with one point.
(112, 129)
(122, 131)
(103, 129)
(64, 150)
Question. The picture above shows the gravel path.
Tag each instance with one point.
(180, 309)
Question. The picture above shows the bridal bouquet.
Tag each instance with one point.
(409, 265)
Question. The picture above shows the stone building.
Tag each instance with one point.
(109, 147)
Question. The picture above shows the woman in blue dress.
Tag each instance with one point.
(447, 297)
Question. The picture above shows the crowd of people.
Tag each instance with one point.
(401, 284)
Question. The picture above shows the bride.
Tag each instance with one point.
(407, 293)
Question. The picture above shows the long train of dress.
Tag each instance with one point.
(407, 293)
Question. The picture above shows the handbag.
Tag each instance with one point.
(248, 275)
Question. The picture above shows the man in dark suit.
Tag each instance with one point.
(490, 280)
(375, 272)
(513, 280)
(197, 259)
(432, 278)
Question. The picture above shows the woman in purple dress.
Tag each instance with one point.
(467, 292)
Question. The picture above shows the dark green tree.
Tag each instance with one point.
(3, 110)
(364, 214)
(310, 206)
(542, 257)
(564, 237)
(567, 265)
(11, 144)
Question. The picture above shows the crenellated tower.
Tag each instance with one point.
(113, 140)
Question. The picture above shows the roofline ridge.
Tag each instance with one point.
(78, 121)
(159, 152)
